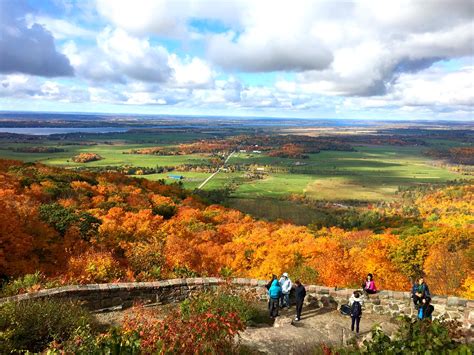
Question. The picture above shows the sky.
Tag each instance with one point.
(363, 59)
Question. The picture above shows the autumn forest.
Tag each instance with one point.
(86, 227)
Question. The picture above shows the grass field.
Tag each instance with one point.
(112, 154)
(370, 173)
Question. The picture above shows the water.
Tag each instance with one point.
(46, 131)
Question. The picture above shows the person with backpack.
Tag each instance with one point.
(274, 293)
(369, 285)
(419, 292)
(300, 293)
(286, 286)
(426, 309)
(356, 302)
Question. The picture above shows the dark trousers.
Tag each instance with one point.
(274, 307)
(299, 308)
(370, 292)
(417, 300)
(356, 322)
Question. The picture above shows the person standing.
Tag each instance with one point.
(268, 285)
(274, 293)
(419, 292)
(286, 286)
(369, 285)
(300, 293)
(356, 302)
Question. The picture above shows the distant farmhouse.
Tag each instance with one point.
(176, 177)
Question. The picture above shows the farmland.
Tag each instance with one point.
(266, 181)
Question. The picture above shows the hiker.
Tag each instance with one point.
(355, 302)
(426, 309)
(419, 292)
(268, 285)
(286, 286)
(274, 294)
(300, 293)
(369, 285)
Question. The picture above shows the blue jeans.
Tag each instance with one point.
(285, 300)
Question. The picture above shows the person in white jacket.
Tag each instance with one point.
(286, 286)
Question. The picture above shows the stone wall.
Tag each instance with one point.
(102, 297)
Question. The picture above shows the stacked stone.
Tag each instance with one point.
(103, 297)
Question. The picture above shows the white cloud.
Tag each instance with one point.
(119, 57)
(61, 29)
(21, 86)
(190, 72)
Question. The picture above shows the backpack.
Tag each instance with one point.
(356, 310)
(345, 310)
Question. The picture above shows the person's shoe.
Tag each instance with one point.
(297, 319)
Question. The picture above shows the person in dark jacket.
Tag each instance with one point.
(419, 292)
(274, 294)
(426, 309)
(356, 302)
(269, 283)
(300, 293)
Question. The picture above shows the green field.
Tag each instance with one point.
(371, 173)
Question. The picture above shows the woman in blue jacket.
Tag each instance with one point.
(274, 293)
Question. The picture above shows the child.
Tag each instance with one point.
(420, 291)
(356, 302)
(426, 309)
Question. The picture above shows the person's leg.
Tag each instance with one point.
(416, 300)
(277, 308)
(282, 300)
(357, 324)
(370, 292)
(353, 321)
(270, 307)
(287, 300)
(299, 308)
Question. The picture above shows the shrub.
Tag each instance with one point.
(59, 217)
(194, 333)
(27, 283)
(416, 337)
(207, 323)
(219, 302)
(165, 210)
(94, 267)
(33, 325)
(86, 157)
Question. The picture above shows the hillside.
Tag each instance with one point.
(82, 227)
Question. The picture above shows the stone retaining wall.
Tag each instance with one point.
(102, 297)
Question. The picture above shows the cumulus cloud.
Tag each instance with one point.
(21, 86)
(119, 57)
(29, 50)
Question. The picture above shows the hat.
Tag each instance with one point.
(285, 274)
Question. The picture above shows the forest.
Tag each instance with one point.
(84, 227)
